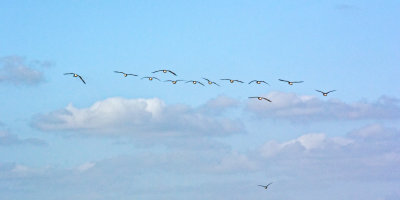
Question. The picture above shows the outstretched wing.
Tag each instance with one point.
(156, 78)
(238, 81)
(200, 83)
(157, 71)
(131, 74)
(119, 72)
(331, 91)
(264, 82)
(252, 81)
(319, 91)
(172, 72)
(269, 184)
(267, 99)
(82, 79)
(226, 79)
(216, 83)
(284, 80)
(68, 73)
(297, 81)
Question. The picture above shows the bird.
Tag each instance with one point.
(291, 82)
(150, 78)
(258, 82)
(261, 98)
(210, 82)
(265, 186)
(165, 71)
(231, 80)
(125, 74)
(195, 82)
(76, 75)
(173, 81)
(325, 93)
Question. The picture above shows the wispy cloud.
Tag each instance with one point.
(294, 107)
(7, 139)
(18, 71)
(137, 118)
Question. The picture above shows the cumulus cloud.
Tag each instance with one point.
(306, 108)
(370, 153)
(137, 117)
(16, 70)
(7, 139)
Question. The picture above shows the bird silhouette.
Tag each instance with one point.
(210, 82)
(265, 186)
(76, 75)
(173, 81)
(165, 71)
(150, 78)
(258, 82)
(231, 80)
(195, 82)
(325, 93)
(291, 82)
(260, 98)
(125, 74)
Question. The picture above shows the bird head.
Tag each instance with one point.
(290, 83)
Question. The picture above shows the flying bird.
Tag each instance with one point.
(231, 80)
(165, 71)
(125, 74)
(195, 82)
(260, 98)
(76, 75)
(173, 81)
(325, 93)
(291, 82)
(151, 78)
(258, 82)
(265, 186)
(210, 82)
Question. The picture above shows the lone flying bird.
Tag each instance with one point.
(265, 186)
(151, 78)
(125, 74)
(165, 71)
(258, 82)
(210, 82)
(173, 81)
(195, 82)
(291, 82)
(76, 75)
(231, 80)
(325, 93)
(261, 98)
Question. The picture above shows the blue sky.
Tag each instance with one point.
(127, 138)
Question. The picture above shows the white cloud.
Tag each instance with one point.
(293, 107)
(16, 70)
(137, 117)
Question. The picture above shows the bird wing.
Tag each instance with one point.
(253, 97)
(238, 81)
(252, 81)
(269, 184)
(157, 71)
(119, 72)
(215, 83)
(82, 79)
(168, 80)
(264, 82)
(188, 81)
(283, 80)
(132, 74)
(68, 73)
(297, 81)
(200, 83)
(206, 79)
(172, 72)
(267, 99)
(226, 79)
(319, 91)
(145, 77)
(156, 78)
(331, 91)
(261, 185)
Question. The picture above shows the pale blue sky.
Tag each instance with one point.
(53, 127)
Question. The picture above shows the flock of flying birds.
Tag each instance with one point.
(150, 78)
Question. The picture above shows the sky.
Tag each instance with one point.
(119, 137)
